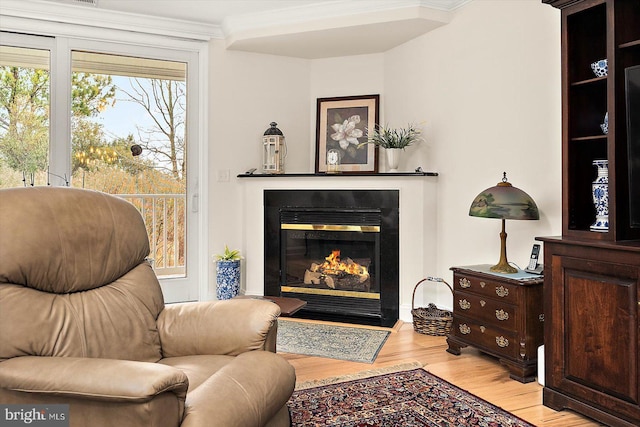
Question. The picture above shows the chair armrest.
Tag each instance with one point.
(226, 327)
(92, 378)
(247, 391)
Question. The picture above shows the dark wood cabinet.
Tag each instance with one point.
(592, 278)
(499, 315)
(591, 329)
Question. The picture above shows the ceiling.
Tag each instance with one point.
(299, 28)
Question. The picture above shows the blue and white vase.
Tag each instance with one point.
(600, 191)
(227, 279)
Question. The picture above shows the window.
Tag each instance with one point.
(24, 115)
(114, 118)
(128, 138)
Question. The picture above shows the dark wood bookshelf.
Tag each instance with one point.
(592, 278)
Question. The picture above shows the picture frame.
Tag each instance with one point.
(342, 124)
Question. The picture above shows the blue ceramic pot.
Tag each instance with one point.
(227, 279)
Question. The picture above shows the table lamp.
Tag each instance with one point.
(504, 201)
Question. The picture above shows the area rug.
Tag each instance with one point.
(407, 398)
(331, 341)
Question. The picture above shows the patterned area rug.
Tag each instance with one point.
(408, 398)
(334, 342)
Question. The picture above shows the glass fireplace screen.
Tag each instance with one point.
(331, 259)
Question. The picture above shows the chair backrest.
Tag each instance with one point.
(73, 276)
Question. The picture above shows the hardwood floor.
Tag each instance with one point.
(473, 371)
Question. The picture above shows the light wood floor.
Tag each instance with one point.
(476, 372)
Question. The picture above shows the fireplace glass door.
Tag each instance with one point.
(331, 252)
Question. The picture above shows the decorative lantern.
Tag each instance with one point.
(333, 161)
(274, 150)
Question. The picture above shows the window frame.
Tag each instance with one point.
(55, 37)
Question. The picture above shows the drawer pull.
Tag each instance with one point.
(502, 341)
(541, 317)
(464, 329)
(465, 283)
(482, 329)
(502, 292)
(464, 304)
(502, 315)
(482, 303)
(483, 284)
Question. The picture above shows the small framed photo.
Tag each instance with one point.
(341, 128)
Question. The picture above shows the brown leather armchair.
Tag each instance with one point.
(83, 322)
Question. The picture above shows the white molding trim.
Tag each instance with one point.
(327, 11)
(202, 186)
(105, 19)
(447, 5)
(96, 17)
(95, 23)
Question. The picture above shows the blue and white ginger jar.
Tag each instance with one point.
(600, 191)
(228, 279)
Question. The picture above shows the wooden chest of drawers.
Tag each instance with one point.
(499, 315)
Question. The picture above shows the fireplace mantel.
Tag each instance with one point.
(418, 220)
(336, 175)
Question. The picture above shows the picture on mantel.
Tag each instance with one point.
(342, 125)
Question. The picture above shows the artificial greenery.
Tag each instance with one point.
(387, 137)
(228, 255)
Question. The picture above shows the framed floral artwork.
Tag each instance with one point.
(341, 126)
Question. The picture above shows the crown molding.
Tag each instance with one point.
(90, 16)
(330, 10)
(310, 31)
(336, 28)
(447, 5)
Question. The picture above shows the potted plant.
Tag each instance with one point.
(228, 273)
(393, 140)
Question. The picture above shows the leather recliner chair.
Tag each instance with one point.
(83, 323)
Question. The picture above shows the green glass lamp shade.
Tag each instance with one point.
(504, 201)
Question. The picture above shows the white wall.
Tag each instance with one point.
(488, 86)
(248, 91)
(485, 88)
(343, 76)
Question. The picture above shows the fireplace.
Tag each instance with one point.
(335, 249)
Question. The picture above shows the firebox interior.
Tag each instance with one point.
(335, 249)
(323, 257)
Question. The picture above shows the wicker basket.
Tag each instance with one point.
(431, 320)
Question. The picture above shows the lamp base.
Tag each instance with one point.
(503, 265)
(503, 268)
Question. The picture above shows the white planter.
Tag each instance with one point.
(393, 158)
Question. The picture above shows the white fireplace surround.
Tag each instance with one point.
(417, 229)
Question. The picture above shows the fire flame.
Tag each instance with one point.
(333, 265)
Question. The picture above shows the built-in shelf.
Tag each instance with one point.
(589, 138)
(589, 81)
(342, 175)
(633, 43)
